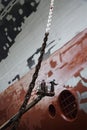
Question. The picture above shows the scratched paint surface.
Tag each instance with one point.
(68, 66)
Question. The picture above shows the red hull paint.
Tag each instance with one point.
(64, 64)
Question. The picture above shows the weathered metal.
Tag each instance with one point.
(68, 66)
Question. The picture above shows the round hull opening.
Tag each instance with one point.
(68, 105)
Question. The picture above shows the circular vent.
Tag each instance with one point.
(68, 105)
(52, 110)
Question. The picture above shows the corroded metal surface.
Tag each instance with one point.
(68, 66)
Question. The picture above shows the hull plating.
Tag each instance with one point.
(68, 66)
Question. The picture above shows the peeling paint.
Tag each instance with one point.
(68, 76)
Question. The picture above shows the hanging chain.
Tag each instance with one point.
(37, 68)
(32, 84)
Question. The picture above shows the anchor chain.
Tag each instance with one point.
(37, 68)
(35, 75)
(32, 84)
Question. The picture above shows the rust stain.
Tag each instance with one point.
(53, 64)
(80, 58)
(78, 73)
(50, 73)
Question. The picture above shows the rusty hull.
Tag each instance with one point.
(66, 63)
